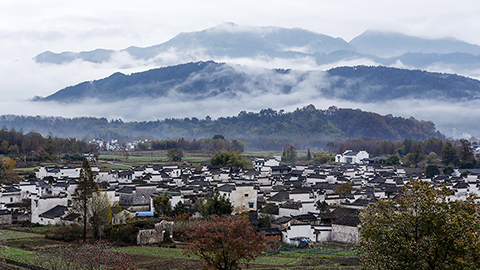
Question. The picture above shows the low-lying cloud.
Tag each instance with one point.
(24, 79)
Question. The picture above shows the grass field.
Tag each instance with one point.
(22, 246)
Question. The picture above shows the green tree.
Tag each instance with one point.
(100, 213)
(309, 155)
(432, 158)
(215, 205)
(322, 158)
(229, 159)
(218, 137)
(393, 159)
(416, 155)
(449, 155)
(322, 206)
(421, 229)
(224, 243)
(465, 152)
(431, 170)
(289, 154)
(180, 209)
(162, 204)
(175, 154)
(86, 189)
(448, 170)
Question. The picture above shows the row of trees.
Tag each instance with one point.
(217, 143)
(34, 146)
(456, 153)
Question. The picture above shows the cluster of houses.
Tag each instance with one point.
(114, 145)
(287, 196)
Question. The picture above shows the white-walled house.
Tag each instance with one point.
(351, 157)
(41, 205)
(61, 172)
(242, 197)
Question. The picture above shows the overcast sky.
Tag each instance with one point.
(30, 27)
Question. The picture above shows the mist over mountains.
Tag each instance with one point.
(203, 80)
(232, 41)
(232, 68)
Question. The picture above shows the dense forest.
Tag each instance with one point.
(268, 129)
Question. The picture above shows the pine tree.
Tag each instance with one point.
(84, 192)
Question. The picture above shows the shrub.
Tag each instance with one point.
(127, 233)
(66, 233)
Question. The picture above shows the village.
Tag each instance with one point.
(314, 203)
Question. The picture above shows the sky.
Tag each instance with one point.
(30, 27)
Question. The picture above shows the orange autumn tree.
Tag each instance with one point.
(224, 243)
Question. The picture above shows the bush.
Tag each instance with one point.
(127, 233)
(66, 233)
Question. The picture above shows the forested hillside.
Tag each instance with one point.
(211, 80)
(267, 129)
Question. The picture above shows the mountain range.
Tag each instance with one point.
(202, 80)
(230, 41)
(220, 71)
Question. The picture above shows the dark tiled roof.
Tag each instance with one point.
(291, 205)
(280, 196)
(55, 212)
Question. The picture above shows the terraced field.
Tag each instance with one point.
(22, 247)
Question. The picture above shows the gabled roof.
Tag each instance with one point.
(55, 212)
(292, 205)
(346, 216)
(226, 188)
(280, 196)
(282, 220)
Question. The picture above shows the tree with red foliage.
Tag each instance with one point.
(224, 243)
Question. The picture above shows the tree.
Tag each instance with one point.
(229, 159)
(162, 204)
(432, 158)
(393, 159)
(215, 205)
(218, 137)
(180, 209)
(309, 155)
(100, 213)
(86, 188)
(416, 154)
(7, 173)
(343, 189)
(422, 229)
(431, 171)
(322, 206)
(322, 158)
(289, 154)
(175, 154)
(465, 152)
(449, 155)
(448, 170)
(225, 243)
